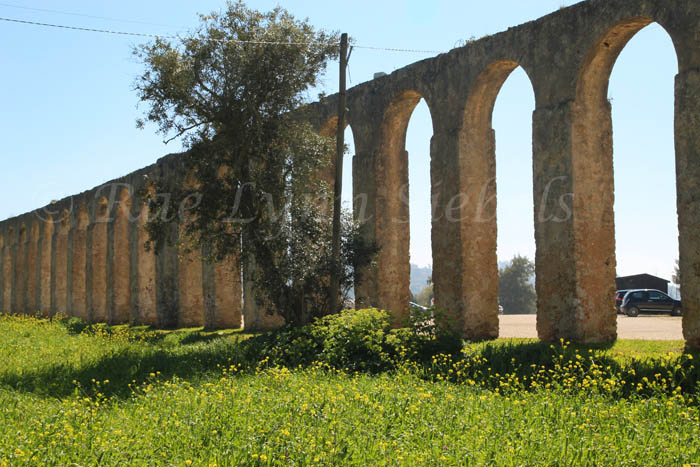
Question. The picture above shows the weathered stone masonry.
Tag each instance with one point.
(84, 256)
(74, 264)
(568, 56)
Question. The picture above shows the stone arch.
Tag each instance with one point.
(482, 96)
(478, 221)
(392, 210)
(122, 258)
(45, 282)
(594, 75)
(78, 289)
(32, 295)
(63, 264)
(8, 272)
(146, 311)
(99, 309)
(330, 128)
(593, 182)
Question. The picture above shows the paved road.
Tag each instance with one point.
(646, 327)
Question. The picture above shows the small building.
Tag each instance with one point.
(642, 281)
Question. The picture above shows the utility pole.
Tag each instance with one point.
(338, 190)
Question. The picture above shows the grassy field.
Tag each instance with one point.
(124, 396)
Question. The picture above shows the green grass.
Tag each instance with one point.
(620, 350)
(121, 396)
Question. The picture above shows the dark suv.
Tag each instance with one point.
(637, 300)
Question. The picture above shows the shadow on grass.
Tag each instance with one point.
(128, 365)
(501, 354)
(524, 360)
(188, 354)
(194, 354)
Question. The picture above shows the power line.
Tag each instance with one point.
(76, 28)
(143, 34)
(60, 12)
(165, 36)
(389, 49)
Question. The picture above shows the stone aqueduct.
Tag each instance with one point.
(82, 256)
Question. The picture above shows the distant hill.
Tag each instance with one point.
(419, 278)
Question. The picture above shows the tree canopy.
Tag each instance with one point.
(240, 69)
(515, 292)
(234, 92)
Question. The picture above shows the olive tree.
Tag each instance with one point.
(234, 92)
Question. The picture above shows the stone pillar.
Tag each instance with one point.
(445, 229)
(32, 266)
(574, 222)
(20, 285)
(144, 270)
(45, 268)
(687, 134)
(467, 210)
(190, 288)
(79, 275)
(381, 204)
(222, 285)
(98, 263)
(190, 268)
(557, 303)
(9, 273)
(62, 265)
(167, 274)
(122, 260)
(380, 188)
(364, 212)
(594, 220)
(209, 291)
(393, 234)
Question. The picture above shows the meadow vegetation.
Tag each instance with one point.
(344, 390)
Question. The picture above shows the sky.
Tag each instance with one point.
(68, 108)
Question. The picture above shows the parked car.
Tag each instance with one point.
(637, 300)
(619, 295)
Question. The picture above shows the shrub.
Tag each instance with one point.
(289, 346)
(355, 340)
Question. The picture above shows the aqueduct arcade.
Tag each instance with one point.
(83, 256)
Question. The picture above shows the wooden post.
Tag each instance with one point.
(340, 149)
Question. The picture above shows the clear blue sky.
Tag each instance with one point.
(68, 109)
